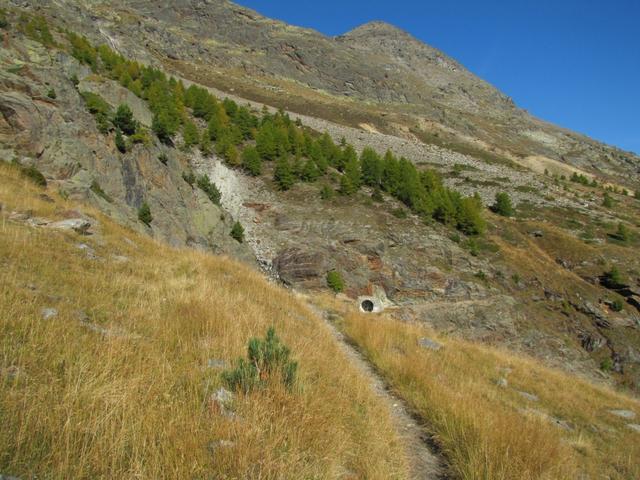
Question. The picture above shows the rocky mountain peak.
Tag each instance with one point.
(376, 28)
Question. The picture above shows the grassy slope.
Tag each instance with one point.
(75, 403)
(491, 432)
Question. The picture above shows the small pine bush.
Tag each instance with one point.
(52, 94)
(622, 234)
(189, 177)
(617, 305)
(267, 360)
(144, 214)
(326, 192)
(606, 365)
(237, 232)
(502, 205)
(123, 120)
(607, 201)
(335, 281)
(251, 161)
(210, 189)
(120, 143)
(613, 278)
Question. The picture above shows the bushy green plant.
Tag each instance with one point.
(622, 233)
(237, 232)
(210, 189)
(617, 305)
(4, 22)
(606, 365)
(144, 214)
(268, 360)
(120, 143)
(100, 109)
(613, 278)
(335, 281)
(189, 177)
(326, 192)
(190, 135)
(51, 93)
(502, 205)
(251, 161)
(607, 200)
(283, 174)
(123, 119)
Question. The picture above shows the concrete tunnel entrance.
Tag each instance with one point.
(367, 305)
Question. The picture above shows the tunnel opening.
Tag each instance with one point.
(367, 306)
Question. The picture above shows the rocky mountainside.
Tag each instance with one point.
(533, 282)
(410, 89)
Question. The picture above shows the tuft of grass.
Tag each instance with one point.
(119, 383)
(33, 174)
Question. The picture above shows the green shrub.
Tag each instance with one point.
(617, 305)
(622, 234)
(190, 135)
(237, 232)
(51, 93)
(251, 161)
(283, 174)
(399, 212)
(606, 365)
(189, 177)
(141, 136)
(267, 360)
(210, 189)
(4, 23)
(613, 278)
(335, 281)
(326, 192)
(502, 205)
(123, 119)
(607, 200)
(144, 214)
(100, 109)
(120, 143)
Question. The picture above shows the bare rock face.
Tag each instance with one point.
(302, 268)
(60, 138)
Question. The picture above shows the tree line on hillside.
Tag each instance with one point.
(248, 140)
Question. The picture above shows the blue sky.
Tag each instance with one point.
(574, 63)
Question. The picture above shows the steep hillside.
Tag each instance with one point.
(504, 289)
(410, 238)
(115, 352)
(377, 72)
(112, 347)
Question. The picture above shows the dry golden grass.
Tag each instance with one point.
(491, 432)
(75, 403)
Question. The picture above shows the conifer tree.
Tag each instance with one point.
(190, 134)
(251, 161)
(283, 174)
(123, 120)
(372, 167)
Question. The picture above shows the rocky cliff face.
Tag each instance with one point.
(60, 137)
